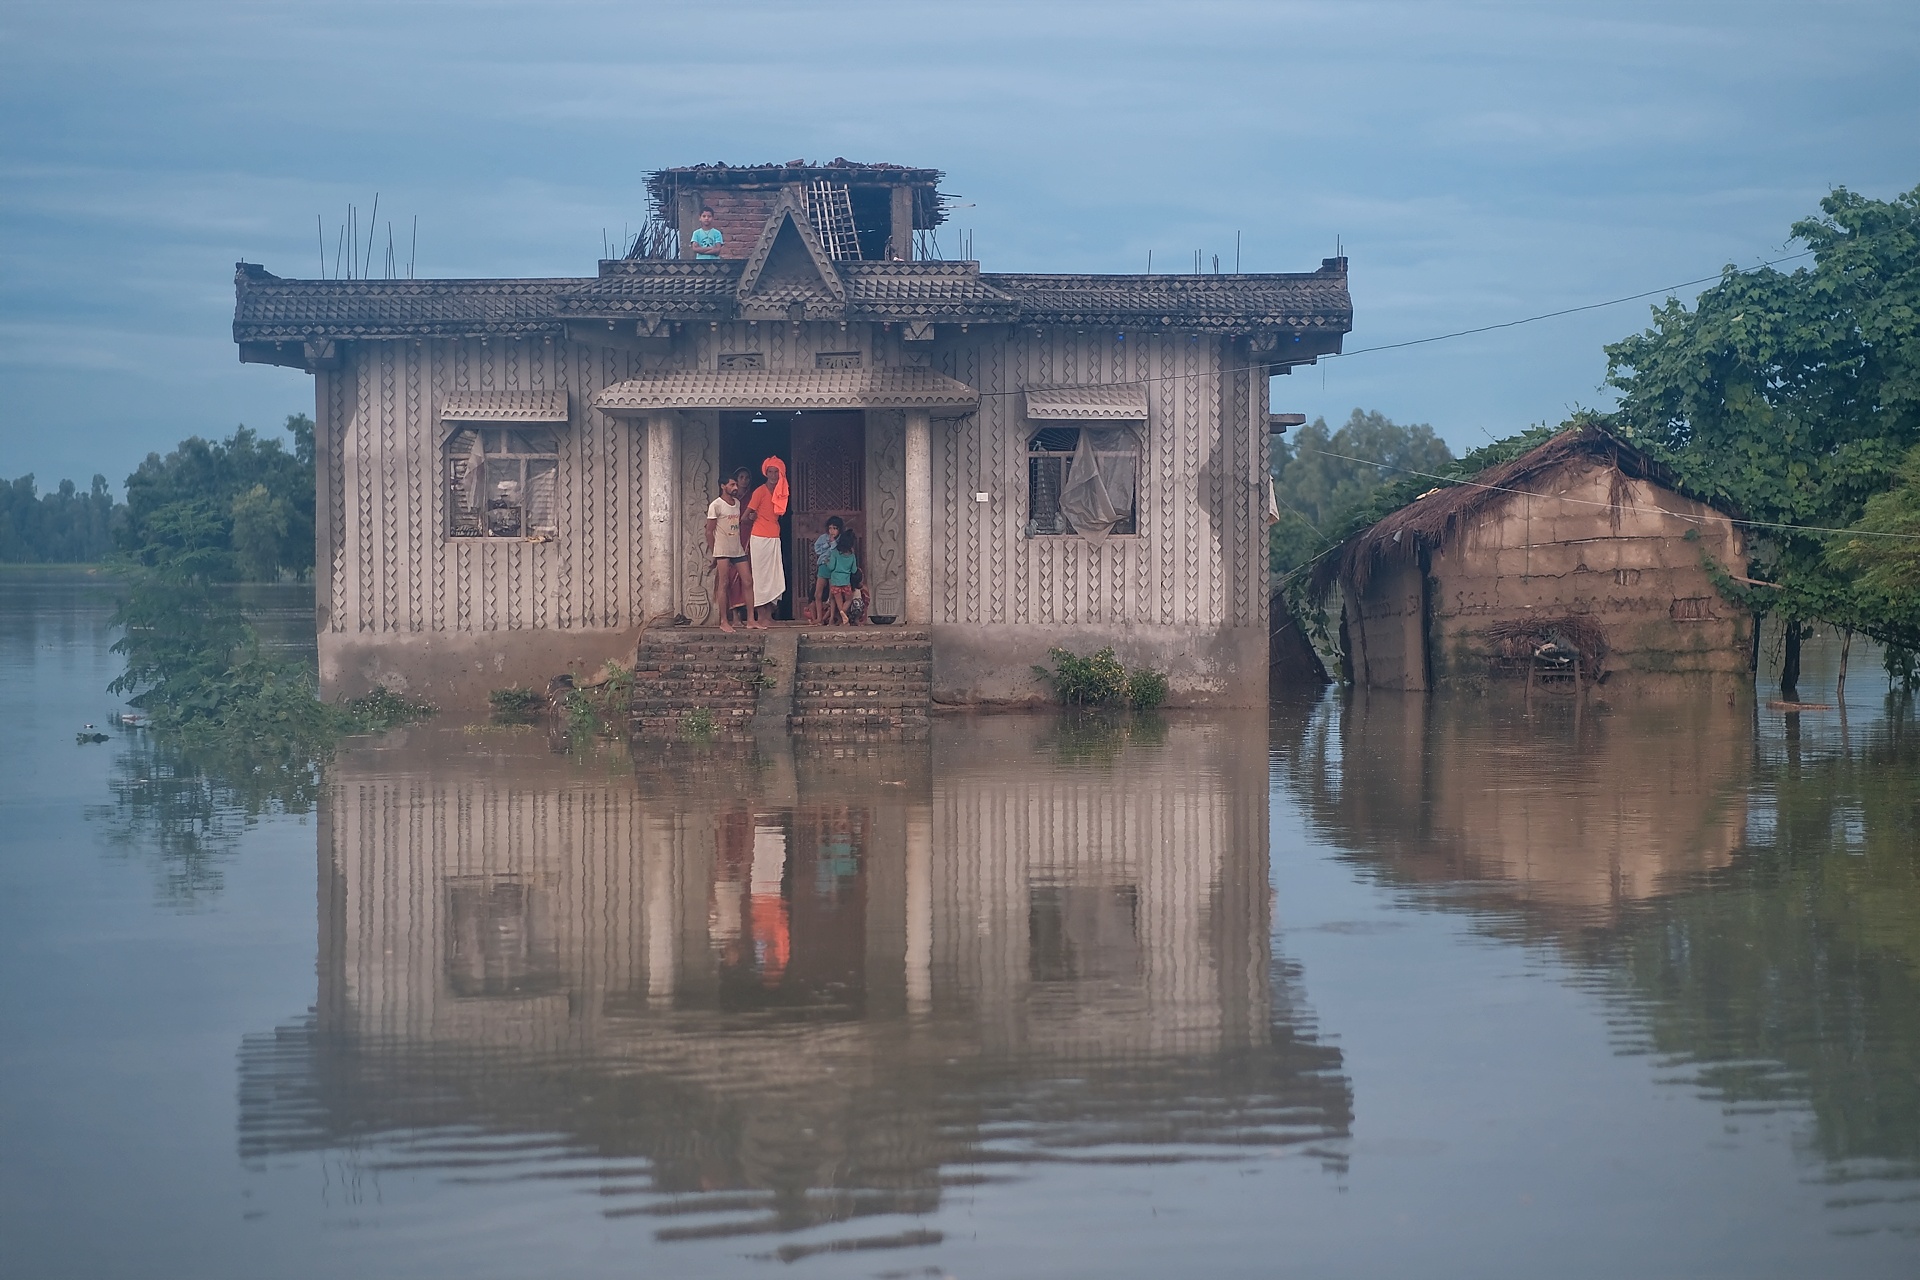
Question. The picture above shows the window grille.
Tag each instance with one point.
(501, 482)
(1050, 461)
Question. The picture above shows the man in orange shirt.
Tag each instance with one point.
(766, 506)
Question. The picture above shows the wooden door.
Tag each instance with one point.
(829, 479)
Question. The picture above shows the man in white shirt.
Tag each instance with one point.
(731, 571)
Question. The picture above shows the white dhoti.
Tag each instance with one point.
(769, 572)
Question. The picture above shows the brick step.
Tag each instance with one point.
(682, 709)
(818, 649)
(865, 635)
(665, 663)
(700, 680)
(855, 718)
(903, 695)
(811, 662)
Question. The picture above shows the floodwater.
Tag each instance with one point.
(1370, 987)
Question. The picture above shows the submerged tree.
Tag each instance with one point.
(1793, 397)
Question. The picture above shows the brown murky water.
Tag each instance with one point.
(1367, 987)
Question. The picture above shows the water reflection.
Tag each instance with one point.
(744, 996)
(1743, 887)
(1499, 802)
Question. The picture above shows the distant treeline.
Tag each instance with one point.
(250, 501)
(65, 526)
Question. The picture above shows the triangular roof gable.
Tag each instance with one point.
(788, 263)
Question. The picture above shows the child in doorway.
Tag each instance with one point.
(822, 550)
(841, 567)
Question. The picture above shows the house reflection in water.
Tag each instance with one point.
(1568, 819)
(756, 996)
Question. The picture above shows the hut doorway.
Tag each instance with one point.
(826, 466)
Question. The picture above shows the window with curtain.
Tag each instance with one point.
(1082, 480)
(501, 482)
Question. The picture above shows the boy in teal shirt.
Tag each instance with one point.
(707, 238)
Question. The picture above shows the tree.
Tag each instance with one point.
(1793, 398)
(260, 494)
(1322, 478)
(62, 527)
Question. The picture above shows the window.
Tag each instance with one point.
(500, 482)
(1081, 480)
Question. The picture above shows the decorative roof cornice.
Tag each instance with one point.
(1313, 308)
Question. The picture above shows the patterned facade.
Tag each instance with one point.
(633, 371)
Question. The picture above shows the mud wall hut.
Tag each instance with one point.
(1582, 551)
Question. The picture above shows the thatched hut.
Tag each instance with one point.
(1581, 560)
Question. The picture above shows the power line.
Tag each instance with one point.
(1415, 342)
(1564, 311)
(1594, 502)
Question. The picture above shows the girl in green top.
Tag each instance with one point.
(838, 570)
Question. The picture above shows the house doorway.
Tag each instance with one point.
(825, 454)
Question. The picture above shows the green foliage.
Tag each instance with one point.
(384, 709)
(600, 707)
(61, 527)
(1146, 689)
(1092, 681)
(516, 705)
(184, 638)
(1794, 398)
(1319, 492)
(1099, 680)
(196, 666)
(260, 495)
(698, 725)
(1883, 553)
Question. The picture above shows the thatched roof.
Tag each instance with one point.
(1430, 521)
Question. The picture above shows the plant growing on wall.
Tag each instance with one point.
(1099, 680)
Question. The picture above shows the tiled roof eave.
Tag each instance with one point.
(283, 310)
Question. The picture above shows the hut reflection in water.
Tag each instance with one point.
(762, 995)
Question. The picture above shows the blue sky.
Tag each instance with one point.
(1479, 162)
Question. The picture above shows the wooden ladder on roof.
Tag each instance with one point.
(830, 209)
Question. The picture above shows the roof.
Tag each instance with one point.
(1309, 307)
(504, 406)
(890, 388)
(1316, 300)
(268, 308)
(1430, 521)
(1124, 402)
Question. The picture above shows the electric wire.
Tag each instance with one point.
(1411, 342)
(1594, 502)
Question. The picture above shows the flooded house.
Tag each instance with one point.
(513, 473)
(1580, 561)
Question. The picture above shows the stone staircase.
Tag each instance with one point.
(678, 673)
(863, 684)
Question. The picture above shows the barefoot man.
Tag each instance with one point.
(729, 554)
(767, 505)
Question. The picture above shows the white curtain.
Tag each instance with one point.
(1099, 490)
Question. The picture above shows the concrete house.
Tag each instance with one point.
(1581, 558)
(513, 473)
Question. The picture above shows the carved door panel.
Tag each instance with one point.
(829, 479)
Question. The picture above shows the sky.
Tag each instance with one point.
(1477, 162)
